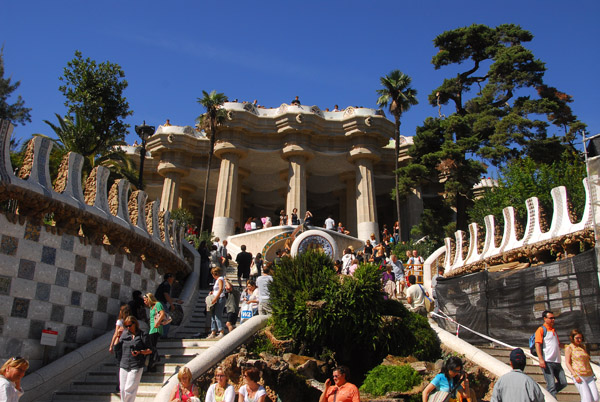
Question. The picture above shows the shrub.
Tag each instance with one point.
(384, 379)
(321, 310)
(261, 344)
(408, 334)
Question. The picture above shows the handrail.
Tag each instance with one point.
(477, 356)
(595, 368)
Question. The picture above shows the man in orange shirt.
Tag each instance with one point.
(342, 391)
(548, 350)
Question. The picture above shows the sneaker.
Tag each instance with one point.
(211, 336)
(221, 334)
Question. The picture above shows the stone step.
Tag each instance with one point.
(61, 396)
(185, 342)
(569, 394)
(108, 377)
(181, 351)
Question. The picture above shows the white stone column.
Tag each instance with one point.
(297, 157)
(366, 206)
(170, 193)
(173, 174)
(227, 195)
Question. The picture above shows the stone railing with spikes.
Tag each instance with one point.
(537, 241)
(115, 219)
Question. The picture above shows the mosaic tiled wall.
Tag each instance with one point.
(57, 282)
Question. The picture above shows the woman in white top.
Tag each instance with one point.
(221, 390)
(124, 312)
(252, 391)
(11, 373)
(216, 314)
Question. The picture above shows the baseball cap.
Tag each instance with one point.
(517, 356)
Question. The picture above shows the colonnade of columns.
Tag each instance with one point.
(360, 203)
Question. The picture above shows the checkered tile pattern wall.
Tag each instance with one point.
(58, 282)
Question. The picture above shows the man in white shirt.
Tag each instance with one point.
(547, 346)
(329, 223)
(347, 261)
(416, 259)
(415, 297)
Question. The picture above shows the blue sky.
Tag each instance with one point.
(326, 52)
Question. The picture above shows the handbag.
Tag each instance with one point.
(167, 319)
(209, 302)
(440, 396)
(429, 303)
(246, 312)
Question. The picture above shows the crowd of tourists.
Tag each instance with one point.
(147, 317)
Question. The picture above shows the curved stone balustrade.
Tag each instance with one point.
(301, 109)
(113, 218)
(560, 226)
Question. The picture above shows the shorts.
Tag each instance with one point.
(243, 272)
(232, 318)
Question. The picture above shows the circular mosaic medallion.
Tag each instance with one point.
(315, 240)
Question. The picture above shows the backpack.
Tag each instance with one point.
(532, 341)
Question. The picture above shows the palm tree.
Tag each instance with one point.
(209, 122)
(398, 94)
(77, 135)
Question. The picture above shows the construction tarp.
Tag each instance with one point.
(508, 305)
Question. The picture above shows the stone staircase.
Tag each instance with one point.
(569, 394)
(101, 382)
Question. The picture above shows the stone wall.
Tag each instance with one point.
(70, 255)
(57, 282)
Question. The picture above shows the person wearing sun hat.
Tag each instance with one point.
(516, 386)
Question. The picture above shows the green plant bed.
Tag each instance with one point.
(384, 379)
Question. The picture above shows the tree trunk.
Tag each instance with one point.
(397, 156)
(462, 203)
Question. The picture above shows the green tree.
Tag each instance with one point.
(15, 112)
(183, 216)
(210, 121)
(94, 91)
(527, 178)
(507, 116)
(398, 94)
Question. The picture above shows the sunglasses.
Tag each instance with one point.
(17, 358)
(127, 326)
